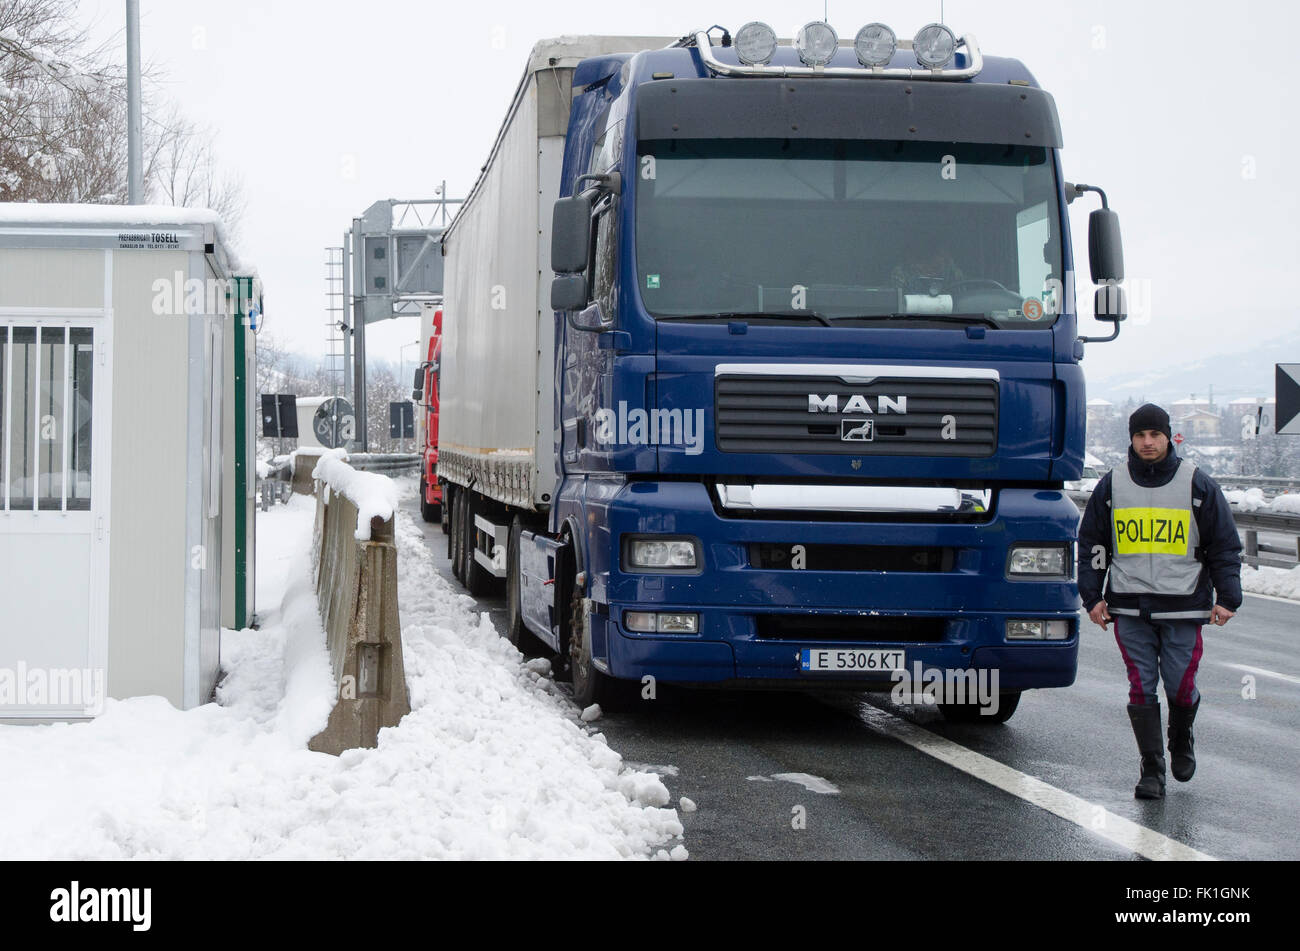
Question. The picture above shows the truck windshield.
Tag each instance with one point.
(862, 233)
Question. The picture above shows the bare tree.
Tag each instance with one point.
(185, 171)
(63, 124)
(61, 108)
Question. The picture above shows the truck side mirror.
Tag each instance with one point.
(1109, 303)
(571, 234)
(417, 388)
(1105, 249)
(569, 292)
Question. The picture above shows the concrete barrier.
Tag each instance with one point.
(356, 587)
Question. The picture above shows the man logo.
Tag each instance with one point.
(857, 403)
(857, 430)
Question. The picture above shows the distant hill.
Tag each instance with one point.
(1246, 373)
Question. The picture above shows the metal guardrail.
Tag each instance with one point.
(1279, 483)
(1257, 553)
(275, 487)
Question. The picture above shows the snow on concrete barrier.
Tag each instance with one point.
(356, 586)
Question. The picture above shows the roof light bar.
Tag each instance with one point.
(812, 46)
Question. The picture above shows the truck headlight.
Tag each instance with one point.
(656, 553)
(650, 622)
(1036, 629)
(1040, 561)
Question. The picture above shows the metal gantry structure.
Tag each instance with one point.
(389, 266)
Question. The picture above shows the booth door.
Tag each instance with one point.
(53, 582)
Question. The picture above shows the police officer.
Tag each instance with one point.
(1165, 534)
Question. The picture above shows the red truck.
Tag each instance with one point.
(425, 396)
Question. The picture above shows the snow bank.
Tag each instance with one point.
(1279, 582)
(1250, 500)
(492, 762)
(1288, 503)
(374, 495)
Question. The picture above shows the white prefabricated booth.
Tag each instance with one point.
(117, 345)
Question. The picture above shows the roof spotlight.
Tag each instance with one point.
(755, 43)
(875, 44)
(817, 43)
(934, 46)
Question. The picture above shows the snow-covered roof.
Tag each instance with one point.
(49, 213)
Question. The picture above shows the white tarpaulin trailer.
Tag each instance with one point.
(117, 432)
(496, 425)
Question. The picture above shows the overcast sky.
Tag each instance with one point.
(1183, 112)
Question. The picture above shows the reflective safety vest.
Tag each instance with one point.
(1154, 535)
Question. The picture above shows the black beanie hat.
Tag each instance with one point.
(1149, 416)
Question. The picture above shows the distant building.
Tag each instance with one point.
(1099, 411)
(1198, 423)
(1250, 406)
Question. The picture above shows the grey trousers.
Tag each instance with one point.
(1170, 650)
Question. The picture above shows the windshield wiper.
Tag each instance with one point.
(757, 315)
(964, 319)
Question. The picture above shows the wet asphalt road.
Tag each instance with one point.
(721, 750)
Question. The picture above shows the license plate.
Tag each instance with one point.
(847, 660)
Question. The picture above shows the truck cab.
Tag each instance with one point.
(816, 381)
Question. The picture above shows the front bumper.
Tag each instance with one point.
(754, 622)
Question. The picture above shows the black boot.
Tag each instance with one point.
(1181, 755)
(1146, 728)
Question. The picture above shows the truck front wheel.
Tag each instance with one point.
(589, 684)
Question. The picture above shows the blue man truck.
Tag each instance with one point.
(760, 364)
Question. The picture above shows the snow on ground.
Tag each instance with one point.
(1279, 582)
(492, 762)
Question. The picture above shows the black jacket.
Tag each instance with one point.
(1219, 551)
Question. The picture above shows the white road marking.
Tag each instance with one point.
(809, 782)
(1087, 815)
(1265, 673)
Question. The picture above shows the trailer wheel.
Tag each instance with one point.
(589, 684)
(970, 712)
(517, 633)
(456, 539)
(444, 512)
(428, 511)
(477, 579)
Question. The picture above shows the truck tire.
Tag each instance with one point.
(428, 511)
(970, 712)
(457, 535)
(589, 684)
(477, 579)
(517, 633)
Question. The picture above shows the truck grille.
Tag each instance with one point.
(853, 628)
(810, 557)
(770, 414)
